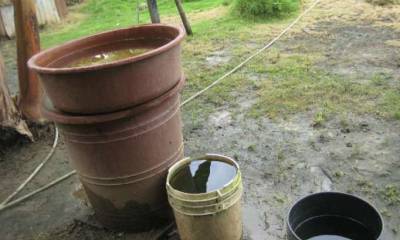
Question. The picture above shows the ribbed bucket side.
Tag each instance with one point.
(122, 161)
(213, 215)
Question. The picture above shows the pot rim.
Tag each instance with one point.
(32, 63)
(57, 116)
(208, 157)
(289, 226)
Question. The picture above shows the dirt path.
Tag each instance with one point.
(281, 160)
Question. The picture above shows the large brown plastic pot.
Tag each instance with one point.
(117, 85)
(122, 159)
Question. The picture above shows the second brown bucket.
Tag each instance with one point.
(122, 159)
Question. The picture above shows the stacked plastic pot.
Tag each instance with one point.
(120, 120)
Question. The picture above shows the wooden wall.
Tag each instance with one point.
(47, 11)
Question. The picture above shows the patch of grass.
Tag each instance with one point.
(281, 155)
(295, 85)
(280, 198)
(391, 194)
(320, 118)
(226, 2)
(265, 9)
(390, 104)
(251, 148)
(383, 2)
(380, 80)
(338, 174)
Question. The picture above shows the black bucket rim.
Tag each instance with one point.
(289, 225)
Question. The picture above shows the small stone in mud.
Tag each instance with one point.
(364, 126)
(325, 137)
(267, 175)
(314, 146)
(338, 174)
(345, 130)
(349, 145)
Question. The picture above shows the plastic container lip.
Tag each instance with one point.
(210, 157)
(292, 208)
(33, 62)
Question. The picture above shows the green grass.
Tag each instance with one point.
(390, 104)
(102, 15)
(391, 194)
(295, 85)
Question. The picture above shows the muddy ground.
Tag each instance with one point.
(281, 160)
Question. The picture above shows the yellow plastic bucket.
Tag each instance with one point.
(215, 215)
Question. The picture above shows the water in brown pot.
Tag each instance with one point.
(111, 85)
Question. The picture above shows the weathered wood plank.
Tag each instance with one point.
(46, 12)
(28, 44)
(3, 32)
(10, 118)
(62, 8)
(7, 14)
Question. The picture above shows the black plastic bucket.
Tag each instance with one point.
(333, 216)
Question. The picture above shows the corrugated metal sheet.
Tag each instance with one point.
(46, 12)
(61, 8)
(2, 29)
(7, 15)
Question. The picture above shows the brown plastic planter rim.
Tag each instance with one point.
(65, 118)
(32, 63)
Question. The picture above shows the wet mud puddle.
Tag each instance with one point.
(255, 222)
(106, 57)
(333, 228)
(202, 176)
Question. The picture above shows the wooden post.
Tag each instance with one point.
(153, 10)
(185, 21)
(28, 43)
